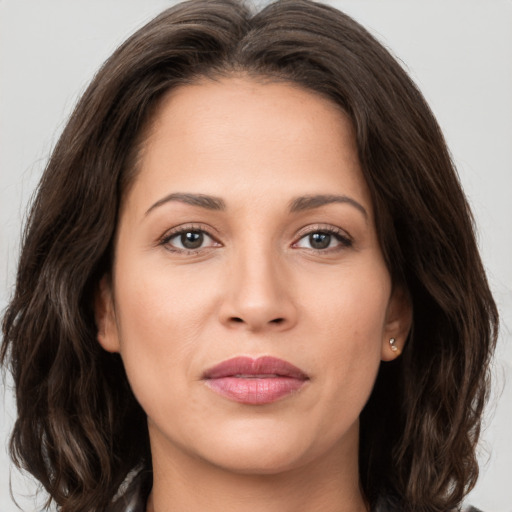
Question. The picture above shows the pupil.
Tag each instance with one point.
(192, 239)
(319, 240)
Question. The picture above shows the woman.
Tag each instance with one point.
(249, 279)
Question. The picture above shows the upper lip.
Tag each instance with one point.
(265, 366)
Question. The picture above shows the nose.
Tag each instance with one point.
(258, 294)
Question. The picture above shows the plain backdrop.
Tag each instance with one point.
(458, 51)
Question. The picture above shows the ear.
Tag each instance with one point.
(105, 316)
(398, 323)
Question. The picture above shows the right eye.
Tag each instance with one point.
(189, 240)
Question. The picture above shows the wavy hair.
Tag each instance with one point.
(79, 429)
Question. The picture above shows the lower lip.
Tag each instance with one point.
(256, 391)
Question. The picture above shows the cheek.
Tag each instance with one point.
(161, 299)
(347, 322)
(161, 316)
(350, 305)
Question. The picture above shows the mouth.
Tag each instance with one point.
(255, 381)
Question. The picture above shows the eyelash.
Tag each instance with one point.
(341, 236)
(181, 230)
(344, 240)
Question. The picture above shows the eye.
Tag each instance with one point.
(188, 240)
(321, 240)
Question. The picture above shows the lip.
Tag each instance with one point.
(257, 381)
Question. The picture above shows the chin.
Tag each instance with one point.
(258, 461)
(260, 450)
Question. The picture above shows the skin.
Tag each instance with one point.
(256, 286)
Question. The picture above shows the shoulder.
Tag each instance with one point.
(133, 493)
(387, 504)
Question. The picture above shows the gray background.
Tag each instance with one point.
(458, 51)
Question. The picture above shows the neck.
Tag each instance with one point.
(183, 482)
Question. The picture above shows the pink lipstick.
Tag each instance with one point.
(255, 381)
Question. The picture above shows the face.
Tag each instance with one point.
(249, 298)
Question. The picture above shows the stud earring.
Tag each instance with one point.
(392, 342)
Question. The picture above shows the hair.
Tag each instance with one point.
(79, 429)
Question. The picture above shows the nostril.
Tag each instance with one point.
(241, 321)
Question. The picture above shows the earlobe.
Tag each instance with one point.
(398, 323)
(105, 317)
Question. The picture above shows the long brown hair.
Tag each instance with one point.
(79, 429)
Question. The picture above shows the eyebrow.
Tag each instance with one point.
(315, 201)
(298, 204)
(201, 200)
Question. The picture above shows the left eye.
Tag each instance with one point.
(319, 240)
(189, 240)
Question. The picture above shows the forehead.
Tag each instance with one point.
(244, 103)
(242, 134)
